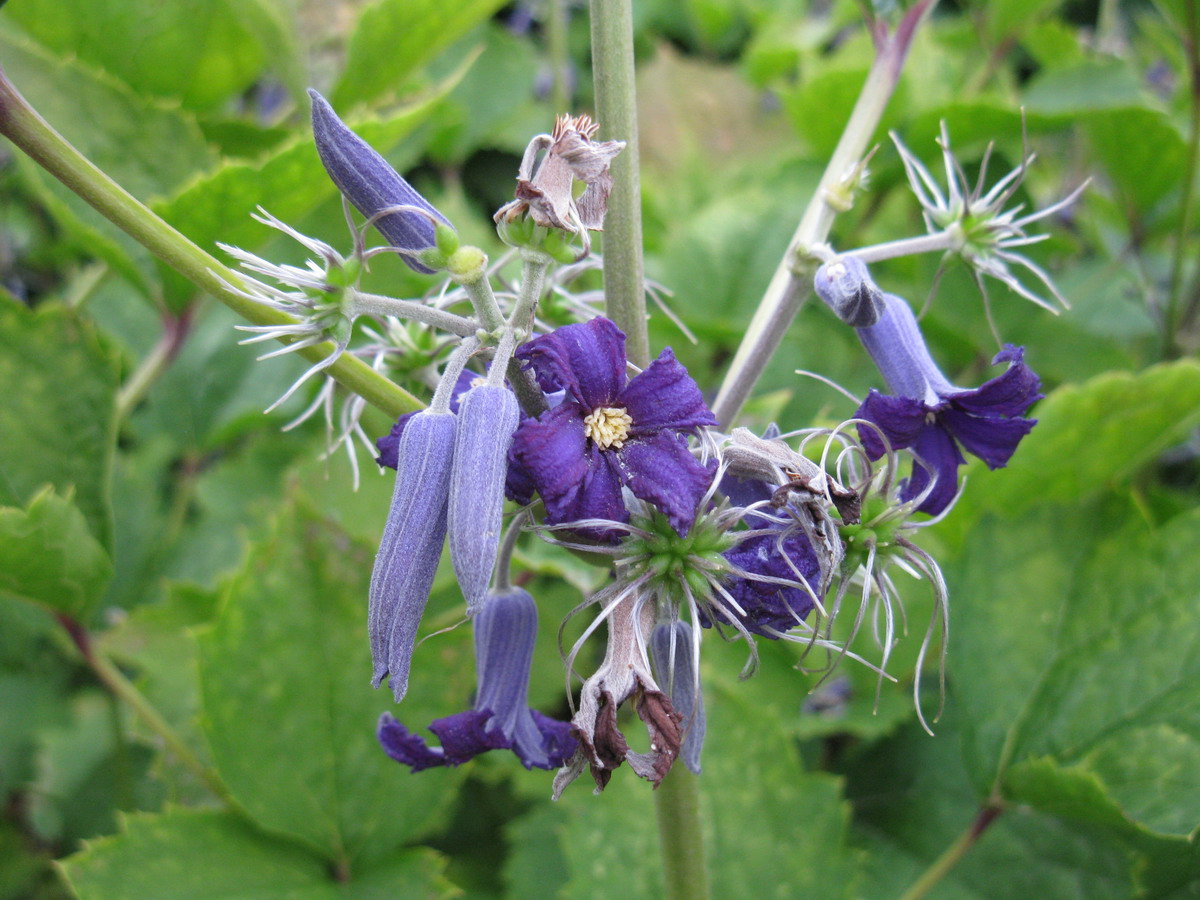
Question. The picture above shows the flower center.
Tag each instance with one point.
(608, 426)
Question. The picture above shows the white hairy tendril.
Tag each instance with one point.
(608, 426)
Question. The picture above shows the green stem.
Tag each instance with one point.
(677, 805)
(21, 124)
(1173, 319)
(954, 853)
(616, 108)
(791, 283)
(479, 291)
(175, 331)
(122, 688)
(379, 305)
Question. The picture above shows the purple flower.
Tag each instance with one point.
(505, 630)
(366, 180)
(931, 416)
(769, 606)
(607, 434)
(389, 444)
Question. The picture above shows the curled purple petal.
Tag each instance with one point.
(991, 439)
(587, 360)
(664, 396)
(939, 460)
(411, 546)
(1008, 394)
(368, 182)
(901, 420)
(768, 604)
(662, 471)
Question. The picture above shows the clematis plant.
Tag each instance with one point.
(557, 425)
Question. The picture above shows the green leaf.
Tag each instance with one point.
(1087, 86)
(207, 855)
(1092, 436)
(1142, 153)
(1084, 653)
(85, 773)
(48, 556)
(287, 705)
(199, 51)
(56, 411)
(395, 38)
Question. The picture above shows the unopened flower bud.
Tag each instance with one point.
(411, 546)
(846, 287)
(368, 182)
(487, 417)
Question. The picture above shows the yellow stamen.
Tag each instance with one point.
(608, 426)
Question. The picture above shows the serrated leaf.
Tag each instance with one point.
(56, 411)
(199, 51)
(1085, 650)
(287, 705)
(48, 556)
(395, 38)
(208, 855)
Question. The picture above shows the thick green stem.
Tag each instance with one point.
(21, 124)
(616, 108)
(791, 283)
(677, 804)
(954, 853)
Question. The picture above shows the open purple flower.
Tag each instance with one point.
(931, 416)
(771, 607)
(505, 630)
(608, 433)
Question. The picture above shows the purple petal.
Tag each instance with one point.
(558, 738)
(465, 735)
(389, 444)
(896, 344)
(935, 448)
(991, 439)
(505, 633)
(405, 747)
(575, 478)
(1009, 394)
(411, 546)
(662, 471)
(899, 418)
(770, 605)
(664, 396)
(587, 360)
(367, 181)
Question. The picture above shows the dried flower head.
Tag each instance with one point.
(545, 191)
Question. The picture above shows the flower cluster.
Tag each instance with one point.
(754, 536)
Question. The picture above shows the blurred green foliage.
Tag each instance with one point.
(224, 566)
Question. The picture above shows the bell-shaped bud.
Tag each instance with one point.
(411, 546)
(846, 287)
(487, 417)
(673, 657)
(368, 182)
(896, 344)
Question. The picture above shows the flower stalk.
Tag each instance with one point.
(790, 284)
(616, 108)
